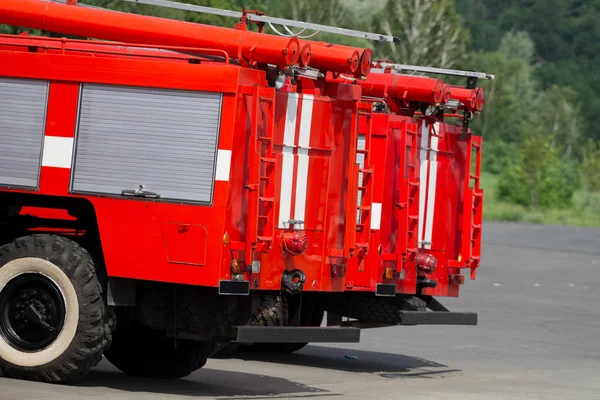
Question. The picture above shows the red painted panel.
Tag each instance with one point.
(62, 109)
(185, 243)
(164, 74)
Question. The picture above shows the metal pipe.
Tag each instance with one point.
(132, 28)
(473, 99)
(405, 88)
(341, 59)
(333, 57)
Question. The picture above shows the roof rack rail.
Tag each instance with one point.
(433, 70)
(271, 20)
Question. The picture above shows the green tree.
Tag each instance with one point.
(518, 44)
(510, 98)
(332, 13)
(566, 34)
(590, 169)
(541, 178)
(431, 32)
(560, 118)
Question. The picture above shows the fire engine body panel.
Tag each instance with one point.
(305, 187)
(205, 188)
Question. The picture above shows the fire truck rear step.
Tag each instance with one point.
(295, 334)
(413, 318)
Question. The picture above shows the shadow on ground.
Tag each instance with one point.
(387, 365)
(242, 385)
(205, 382)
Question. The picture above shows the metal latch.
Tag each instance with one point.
(294, 222)
(139, 192)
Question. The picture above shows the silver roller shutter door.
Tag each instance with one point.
(22, 123)
(163, 139)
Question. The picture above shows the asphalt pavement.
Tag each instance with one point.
(538, 337)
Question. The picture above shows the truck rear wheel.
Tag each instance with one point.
(311, 315)
(267, 310)
(139, 350)
(369, 308)
(54, 322)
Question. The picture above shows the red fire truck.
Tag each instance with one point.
(169, 189)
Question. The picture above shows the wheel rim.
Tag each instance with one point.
(32, 312)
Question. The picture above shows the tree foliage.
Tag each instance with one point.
(540, 178)
(431, 32)
(566, 35)
(590, 167)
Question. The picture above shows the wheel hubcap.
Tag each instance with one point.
(32, 312)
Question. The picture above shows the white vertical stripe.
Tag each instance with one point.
(306, 121)
(376, 216)
(301, 185)
(287, 168)
(290, 119)
(423, 176)
(285, 200)
(304, 144)
(432, 186)
(223, 165)
(58, 152)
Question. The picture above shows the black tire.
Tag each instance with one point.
(414, 303)
(311, 315)
(54, 319)
(268, 309)
(370, 308)
(272, 310)
(138, 350)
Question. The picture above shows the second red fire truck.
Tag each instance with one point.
(169, 189)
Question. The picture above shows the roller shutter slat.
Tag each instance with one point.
(164, 139)
(22, 121)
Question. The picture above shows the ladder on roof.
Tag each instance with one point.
(262, 19)
(472, 76)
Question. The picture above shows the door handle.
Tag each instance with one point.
(140, 192)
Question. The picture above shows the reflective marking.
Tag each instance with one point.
(431, 191)
(58, 152)
(223, 165)
(423, 177)
(287, 175)
(287, 167)
(376, 216)
(303, 146)
(290, 120)
(301, 186)
(306, 121)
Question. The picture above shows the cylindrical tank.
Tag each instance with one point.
(342, 59)
(132, 28)
(405, 88)
(473, 99)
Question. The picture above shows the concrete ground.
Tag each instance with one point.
(538, 338)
